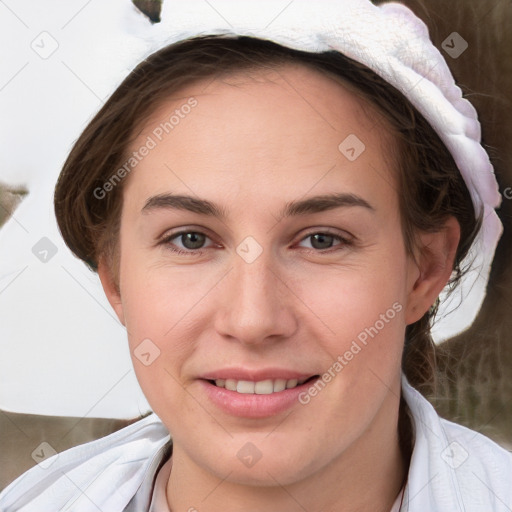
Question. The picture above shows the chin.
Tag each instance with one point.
(262, 463)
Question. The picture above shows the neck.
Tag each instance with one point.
(367, 477)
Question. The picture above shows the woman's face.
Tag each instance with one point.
(293, 268)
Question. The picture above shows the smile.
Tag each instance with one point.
(262, 387)
(254, 399)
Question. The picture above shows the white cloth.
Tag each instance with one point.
(392, 41)
(398, 502)
(159, 500)
(453, 469)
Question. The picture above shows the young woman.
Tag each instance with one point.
(273, 219)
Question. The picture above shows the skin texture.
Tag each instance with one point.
(253, 143)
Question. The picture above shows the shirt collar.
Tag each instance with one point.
(142, 498)
(431, 483)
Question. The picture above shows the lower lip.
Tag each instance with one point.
(249, 405)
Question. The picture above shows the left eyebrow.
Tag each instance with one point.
(315, 204)
(323, 203)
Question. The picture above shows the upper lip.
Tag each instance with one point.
(256, 375)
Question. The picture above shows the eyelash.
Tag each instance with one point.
(345, 242)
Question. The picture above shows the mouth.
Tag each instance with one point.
(255, 399)
(261, 387)
(250, 393)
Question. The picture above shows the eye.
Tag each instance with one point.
(322, 240)
(191, 240)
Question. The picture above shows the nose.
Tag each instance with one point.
(257, 302)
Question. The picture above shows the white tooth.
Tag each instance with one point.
(291, 383)
(220, 383)
(230, 384)
(264, 387)
(279, 385)
(245, 386)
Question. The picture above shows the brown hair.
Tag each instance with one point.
(431, 187)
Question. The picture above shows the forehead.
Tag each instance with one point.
(287, 128)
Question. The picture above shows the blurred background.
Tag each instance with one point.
(73, 392)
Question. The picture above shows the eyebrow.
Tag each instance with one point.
(306, 206)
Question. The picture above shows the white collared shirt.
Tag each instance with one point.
(453, 469)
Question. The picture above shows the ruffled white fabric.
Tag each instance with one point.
(392, 41)
(101, 475)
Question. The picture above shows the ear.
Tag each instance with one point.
(111, 289)
(432, 269)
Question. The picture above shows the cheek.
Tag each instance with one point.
(356, 297)
(362, 318)
(157, 306)
(361, 332)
